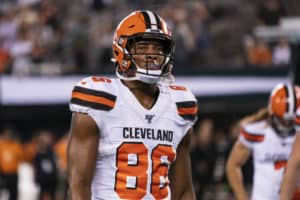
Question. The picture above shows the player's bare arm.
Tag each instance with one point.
(180, 173)
(292, 173)
(237, 158)
(81, 154)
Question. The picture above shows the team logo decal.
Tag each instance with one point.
(149, 118)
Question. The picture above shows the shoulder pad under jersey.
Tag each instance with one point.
(254, 132)
(186, 103)
(93, 92)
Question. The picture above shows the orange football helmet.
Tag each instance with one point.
(283, 103)
(139, 26)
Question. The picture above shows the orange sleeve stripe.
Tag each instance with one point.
(251, 137)
(297, 120)
(177, 87)
(187, 111)
(92, 98)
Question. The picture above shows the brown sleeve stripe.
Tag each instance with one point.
(94, 99)
(251, 137)
(187, 109)
(189, 117)
(94, 93)
(186, 104)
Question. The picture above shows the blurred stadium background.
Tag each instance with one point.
(229, 52)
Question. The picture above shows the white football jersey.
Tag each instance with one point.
(297, 120)
(270, 154)
(137, 145)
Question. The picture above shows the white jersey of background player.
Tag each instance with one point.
(130, 135)
(270, 142)
(292, 174)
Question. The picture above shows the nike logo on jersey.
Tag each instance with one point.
(149, 118)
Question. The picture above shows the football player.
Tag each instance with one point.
(130, 135)
(269, 139)
(292, 172)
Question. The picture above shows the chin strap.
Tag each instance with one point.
(168, 79)
(282, 130)
(147, 76)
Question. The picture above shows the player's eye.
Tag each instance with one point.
(141, 48)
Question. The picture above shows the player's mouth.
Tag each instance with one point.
(153, 65)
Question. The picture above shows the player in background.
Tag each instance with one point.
(130, 135)
(267, 135)
(11, 157)
(292, 172)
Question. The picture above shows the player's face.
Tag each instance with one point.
(148, 54)
(284, 125)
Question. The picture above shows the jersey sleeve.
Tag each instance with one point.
(88, 96)
(186, 104)
(297, 120)
(249, 136)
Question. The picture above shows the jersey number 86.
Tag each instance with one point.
(132, 166)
